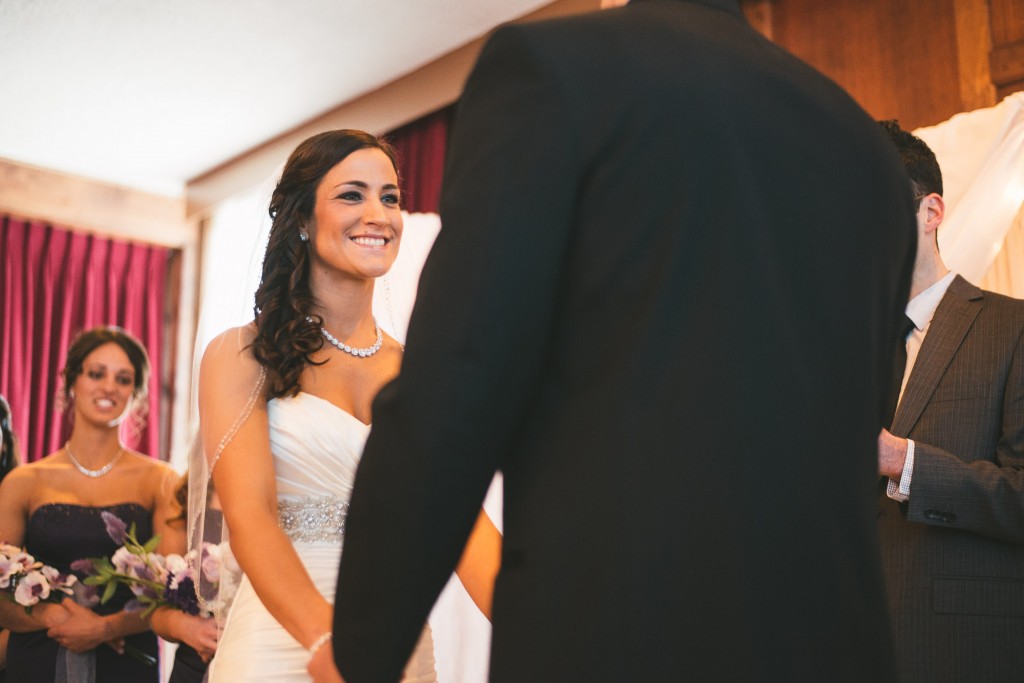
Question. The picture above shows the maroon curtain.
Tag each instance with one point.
(54, 283)
(421, 149)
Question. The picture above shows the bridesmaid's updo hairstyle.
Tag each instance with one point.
(284, 339)
(90, 340)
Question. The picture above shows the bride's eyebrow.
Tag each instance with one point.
(364, 185)
(356, 183)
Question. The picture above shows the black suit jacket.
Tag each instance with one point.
(954, 553)
(671, 258)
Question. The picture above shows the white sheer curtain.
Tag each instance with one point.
(982, 158)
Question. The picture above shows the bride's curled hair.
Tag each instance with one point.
(284, 339)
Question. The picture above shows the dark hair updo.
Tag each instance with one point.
(284, 339)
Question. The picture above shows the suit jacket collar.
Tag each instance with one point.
(731, 6)
(950, 324)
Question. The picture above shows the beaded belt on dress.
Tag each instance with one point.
(313, 519)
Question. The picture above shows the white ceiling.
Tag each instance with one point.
(151, 94)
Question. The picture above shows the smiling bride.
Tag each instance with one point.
(285, 406)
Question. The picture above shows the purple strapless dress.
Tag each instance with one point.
(57, 534)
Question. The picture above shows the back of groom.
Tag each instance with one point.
(662, 303)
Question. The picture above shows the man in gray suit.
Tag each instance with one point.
(952, 510)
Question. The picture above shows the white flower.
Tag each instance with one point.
(175, 563)
(31, 589)
(211, 562)
(124, 559)
(8, 568)
(59, 582)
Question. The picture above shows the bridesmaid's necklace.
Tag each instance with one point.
(85, 470)
(358, 353)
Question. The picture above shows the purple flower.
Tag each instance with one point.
(181, 593)
(116, 528)
(84, 567)
(85, 595)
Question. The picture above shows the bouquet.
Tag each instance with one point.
(155, 580)
(28, 582)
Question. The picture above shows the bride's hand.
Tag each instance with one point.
(321, 666)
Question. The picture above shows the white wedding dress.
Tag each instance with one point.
(316, 448)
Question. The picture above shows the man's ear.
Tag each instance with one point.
(934, 207)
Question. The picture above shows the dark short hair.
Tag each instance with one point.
(90, 340)
(918, 159)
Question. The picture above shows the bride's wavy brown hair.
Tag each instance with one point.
(284, 339)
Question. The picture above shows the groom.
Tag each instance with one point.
(672, 262)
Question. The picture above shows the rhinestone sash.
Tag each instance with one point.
(308, 519)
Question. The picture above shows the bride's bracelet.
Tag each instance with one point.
(319, 643)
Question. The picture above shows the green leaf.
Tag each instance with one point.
(151, 544)
(108, 592)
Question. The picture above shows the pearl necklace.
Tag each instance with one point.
(358, 353)
(92, 473)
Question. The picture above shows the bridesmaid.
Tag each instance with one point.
(53, 506)
(196, 636)
(8, 460)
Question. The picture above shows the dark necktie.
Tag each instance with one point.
(899, 367)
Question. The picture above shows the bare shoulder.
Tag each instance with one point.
(228, 362)
(149, 465)
(20, 477)
(231, 343)
(158, 479)
(20, 483)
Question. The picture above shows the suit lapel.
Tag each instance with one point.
(950, 324)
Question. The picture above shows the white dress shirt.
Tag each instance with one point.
(921, 310)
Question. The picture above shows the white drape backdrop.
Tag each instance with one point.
(982, 159)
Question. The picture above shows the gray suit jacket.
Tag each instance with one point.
(954, 553)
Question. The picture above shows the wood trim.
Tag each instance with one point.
(427, 89)
(1007, 63)
(973, 44)
(1007, 21)
(93, 206)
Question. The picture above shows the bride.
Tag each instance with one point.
(285, 408)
